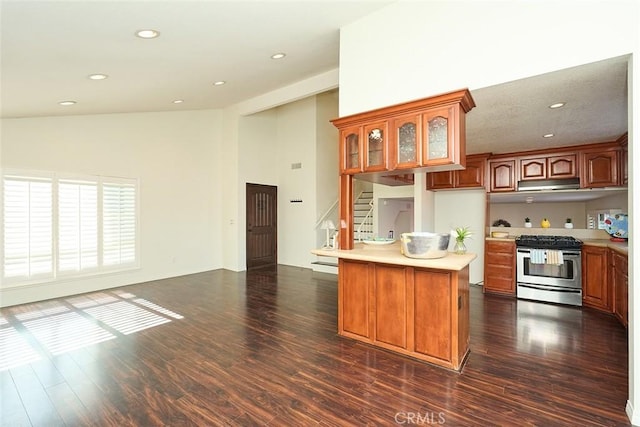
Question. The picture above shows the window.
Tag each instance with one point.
(28, 225)
(58, 227)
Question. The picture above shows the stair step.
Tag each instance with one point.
(328, 264)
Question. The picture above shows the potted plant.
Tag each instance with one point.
(568, 224)
(461, 234)
(527, 222)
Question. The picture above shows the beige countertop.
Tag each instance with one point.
(390, 254)
(622, 247)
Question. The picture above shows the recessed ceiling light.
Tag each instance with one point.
(219, 83)
(147, 34)
(278, 55)
(549, 135)
(98, 76)
(65, 103)
(557, 105)
(178, 101)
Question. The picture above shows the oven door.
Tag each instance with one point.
(567, 275)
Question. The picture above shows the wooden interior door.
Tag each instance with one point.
(262, 226)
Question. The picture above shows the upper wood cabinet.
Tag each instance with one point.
(502, 175)
(427, 134)
(473, 176)
(600, 168)
(351, 150)
(375, 147)
(596, 165)
(548, 167)
(441, 142)
(406, 141)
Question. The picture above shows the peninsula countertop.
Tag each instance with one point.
(390, 254)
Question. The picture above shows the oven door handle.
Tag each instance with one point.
(564, 251)
(550, 288)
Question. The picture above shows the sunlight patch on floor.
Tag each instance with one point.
(66, 332)
(72, 324)
(15, 350)
(125, 317)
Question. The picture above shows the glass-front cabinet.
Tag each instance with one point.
(439, 137)
(376, 147)
(407, 141)
(351, 150)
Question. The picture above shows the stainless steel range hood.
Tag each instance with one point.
(549, 184)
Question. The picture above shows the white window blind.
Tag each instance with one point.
(28, 227)
(118, 223)
(77, 226)
(54, 227)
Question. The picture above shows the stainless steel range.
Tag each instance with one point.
(549, 268)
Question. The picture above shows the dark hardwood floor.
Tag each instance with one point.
(260, 348)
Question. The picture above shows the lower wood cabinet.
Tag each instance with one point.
(418, 312)
(596, 291)
(619, 281)
(500, 267)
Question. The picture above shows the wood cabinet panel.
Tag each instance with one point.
(557, 166)
(565, 166)
(441, 180)
(533, 169)
(500, 267)
(619, 281)
(433, 313)
(595, 281)
(351, 150)
(502, 175)
(354, 298)
(440, 138)
(423, 313)
(599, 169)
(376, 147)
(391, 305)
(473, 176)
(405, 142)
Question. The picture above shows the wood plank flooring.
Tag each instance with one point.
(260, 348)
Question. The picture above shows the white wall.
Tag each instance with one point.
(433, 47)
(174, 156)
(296, 144)
(327, 182)
(464, 208)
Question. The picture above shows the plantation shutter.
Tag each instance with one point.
(28, 227)
(77, 226)
(118, 223)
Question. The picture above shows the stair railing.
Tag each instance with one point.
(364, 221)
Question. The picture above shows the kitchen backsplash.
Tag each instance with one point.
(556, 213)
(578, 233)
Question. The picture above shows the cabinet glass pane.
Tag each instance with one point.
(376, 143)
(407, 143)
(353, 158)
(438, 138)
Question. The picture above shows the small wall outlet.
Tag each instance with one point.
(296, 165)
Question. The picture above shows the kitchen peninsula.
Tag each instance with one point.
(416, 307)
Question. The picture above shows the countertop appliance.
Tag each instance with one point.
(549, 269)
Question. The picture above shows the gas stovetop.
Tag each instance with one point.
(548, 242)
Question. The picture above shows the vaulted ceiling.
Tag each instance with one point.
(49, 48)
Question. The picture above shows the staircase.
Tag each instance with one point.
(363, 217)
